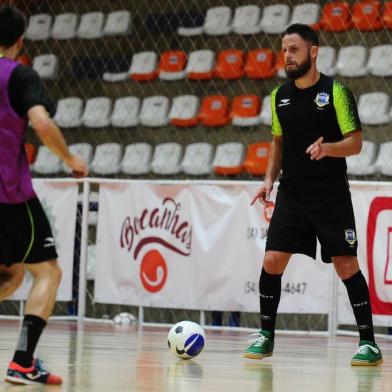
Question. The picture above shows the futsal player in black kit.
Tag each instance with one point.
(315, 125)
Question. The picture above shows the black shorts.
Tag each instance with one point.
(298, 222)
(25, 234)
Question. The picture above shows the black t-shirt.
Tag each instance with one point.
(26, 89)
(301, 116)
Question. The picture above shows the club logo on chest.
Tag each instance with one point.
(322, 99)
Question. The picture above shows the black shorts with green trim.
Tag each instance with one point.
(25, 234)
(298, 222)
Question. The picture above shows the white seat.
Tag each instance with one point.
(115, 77)
(247, 19)
(125, 112)
(154, 111)
(380, 61)
(97, 112)
(137, 159)
(363, 163)
(85, 150)
(117, 23)
(69, 112)
(46, 162)
(64, 26)
(38, 27)
(275, 18)
(143, 63)
(352, 61)
(229, 155)
(384, 159)
(326, 60)
(106, 159)
(167, 159)
(200, 62)
(91, 261)
(218, 21)
(184, 108)
(46, 66)
(373, 108)
(197, 159)
(91, 25)
(307, 13)
(266, 114)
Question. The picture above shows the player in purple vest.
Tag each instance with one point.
(26, 239)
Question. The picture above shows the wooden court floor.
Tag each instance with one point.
(104, 357)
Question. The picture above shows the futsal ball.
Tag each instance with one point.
(186, 339)
(124, 318)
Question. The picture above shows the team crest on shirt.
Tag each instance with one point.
(349, 236)
(322, 99)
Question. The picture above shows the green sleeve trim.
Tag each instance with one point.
(276, 127)
(345, 108)
(32, 234)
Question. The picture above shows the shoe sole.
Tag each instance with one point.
(257, 356)
(19, 381)
(364, 363)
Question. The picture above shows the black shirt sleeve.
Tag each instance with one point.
(26, 89)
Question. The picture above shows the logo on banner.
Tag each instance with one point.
(161, 226)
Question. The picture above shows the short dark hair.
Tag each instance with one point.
(12, 25)
(304, 31)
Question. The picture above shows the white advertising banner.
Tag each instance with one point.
(194, 246)
(59, 201)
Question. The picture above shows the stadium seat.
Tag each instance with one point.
(214, 111)
(247, 20)
(260, 64)
(97, 112)
(373, 108)
(91, 25)
(85, 150)
(154, 112)
(367, 15)
(326, 60)
(218, 21)
(144, 66)
(279, 65)
(200, 65)
(64, 26)
(172, 65)
(383, 162)
(245, 110)
(167, 159)
(257, 158)
(275, 18)
(137, 159)
(31, 152)
(126, 112)
(116, 69)
(46, 162)
(266, 115)
(163, 23)
(307, 13)
(184, 110)
(197, 159)
(230, 64)
(46, 66)
(24, 59)
(363, 163)
(336, 17)
(351, 61)
(191, 24)
(69, 112)
(380, 61)
(229, 159)
(38, 28)
(106, 159)
(387, 15)
(117, 23)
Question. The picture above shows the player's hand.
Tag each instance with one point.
(78, 166)
(263, 194)
(317, 150)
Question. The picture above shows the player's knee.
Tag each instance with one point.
(57, 273)
(346, 266)
(274, 263)
(51, 271)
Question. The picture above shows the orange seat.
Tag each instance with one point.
(367, 15)
(245, 106)
(279, 65)
(172, 61)
(31, 152)
(214, 111)
(257, 158)
(336, 17)
(24, 59)
(387, 15)
(230, 64)
(260, 64)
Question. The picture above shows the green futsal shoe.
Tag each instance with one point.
(368, 354)
(261, 346)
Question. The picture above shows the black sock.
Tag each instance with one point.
(270, 289)
(30, 333)
(358, 293)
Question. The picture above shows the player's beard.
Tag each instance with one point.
(301, 70)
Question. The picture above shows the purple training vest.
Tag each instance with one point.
(15, 178)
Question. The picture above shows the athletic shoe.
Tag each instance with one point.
(35, 374)
(261, 346)
(368, 354)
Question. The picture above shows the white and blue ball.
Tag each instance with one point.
(186, 339)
